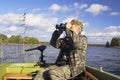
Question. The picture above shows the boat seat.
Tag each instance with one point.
(85, 76)
(17, 76)
(90, 75)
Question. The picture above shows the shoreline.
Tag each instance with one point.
(47, 43)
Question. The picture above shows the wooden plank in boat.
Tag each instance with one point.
(17, 76)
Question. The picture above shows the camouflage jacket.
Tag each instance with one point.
(76, 55)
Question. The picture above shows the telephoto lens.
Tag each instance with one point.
(62, 26)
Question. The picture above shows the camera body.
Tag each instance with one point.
(67, 43)
(61, 27)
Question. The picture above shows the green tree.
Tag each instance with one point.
(115, 42)
(107, 44)
(15, 39)
(31, 40)
(3, 38)
(119, 42)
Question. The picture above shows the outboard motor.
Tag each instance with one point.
(41, 61)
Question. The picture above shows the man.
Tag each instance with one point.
(75, 52)
(72, 57)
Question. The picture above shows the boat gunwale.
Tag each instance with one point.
(28, 66)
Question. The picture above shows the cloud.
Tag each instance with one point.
(114, 34)
(36, 9)
(83, 6)
(12, 28)
(76, 5)
(101, 37)
(40, 21)
(79, 6)
(95, 37)
(11, 24)
(96, 9)
(69, 18)
(86, 24)
(40, 34)
(8, 19)
(67, 10)
(115, 13)
(56, 7)
(33, 20)
(22, 9)
(113, 28)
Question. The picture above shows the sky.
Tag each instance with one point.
(99, 17)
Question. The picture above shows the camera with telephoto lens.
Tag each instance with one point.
(61, 27)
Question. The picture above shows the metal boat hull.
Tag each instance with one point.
(29, 67)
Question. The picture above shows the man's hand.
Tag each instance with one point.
(56, 33)
(69, 25)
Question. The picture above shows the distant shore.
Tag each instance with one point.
(92, 45)
(48, 43)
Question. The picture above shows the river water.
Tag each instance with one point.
(108, 58)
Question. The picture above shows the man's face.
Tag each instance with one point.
(74, 28)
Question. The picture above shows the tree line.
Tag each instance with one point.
(115, 42)
(17, 39)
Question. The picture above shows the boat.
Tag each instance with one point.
(21, 71)
(27, 71)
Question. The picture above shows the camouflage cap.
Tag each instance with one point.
(77, 22)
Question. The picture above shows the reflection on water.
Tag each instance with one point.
(108, 58)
